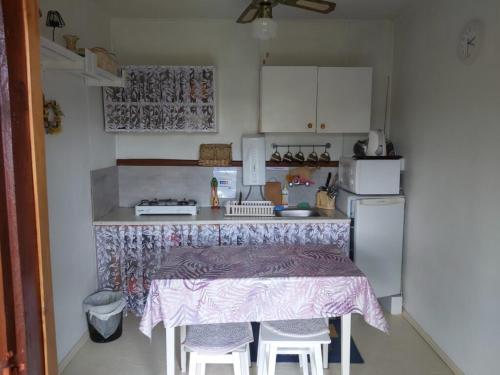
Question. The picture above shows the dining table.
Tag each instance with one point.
(232, 284)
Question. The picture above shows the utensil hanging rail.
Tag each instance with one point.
(327, 145)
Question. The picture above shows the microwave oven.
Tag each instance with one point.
(368, 176)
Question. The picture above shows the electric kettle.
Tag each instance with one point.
(376, 143)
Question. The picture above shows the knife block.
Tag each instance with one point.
(324, 201)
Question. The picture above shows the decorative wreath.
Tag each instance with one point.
(52, 116)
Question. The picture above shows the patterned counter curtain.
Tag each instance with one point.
(287, 234)
(129, 255)
(162, 99)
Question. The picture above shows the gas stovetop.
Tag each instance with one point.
(166, 207)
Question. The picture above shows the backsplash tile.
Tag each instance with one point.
(105, 191)
(139, 182)
(299, 194)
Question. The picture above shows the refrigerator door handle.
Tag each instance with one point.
(381, 202)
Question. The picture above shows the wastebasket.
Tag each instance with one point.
(104, 312)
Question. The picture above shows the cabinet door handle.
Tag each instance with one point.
(323, 126)
(310, 125)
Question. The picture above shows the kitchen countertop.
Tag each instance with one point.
(206, 215)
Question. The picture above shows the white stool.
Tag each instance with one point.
(218, 344)
(300, 337)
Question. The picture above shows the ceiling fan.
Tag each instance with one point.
(260, 12)
(263, 8)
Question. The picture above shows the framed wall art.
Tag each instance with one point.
(162, 99)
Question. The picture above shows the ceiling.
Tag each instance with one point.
(346, 9)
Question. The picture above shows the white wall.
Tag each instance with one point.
(68, 180)
(86, 19)
(446, 122)
(71, 155)
(231, 48)
(102, 144)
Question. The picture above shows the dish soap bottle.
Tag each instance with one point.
(284, 196)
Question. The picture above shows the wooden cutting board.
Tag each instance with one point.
(272, 192)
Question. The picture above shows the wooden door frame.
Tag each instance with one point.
(24, 234)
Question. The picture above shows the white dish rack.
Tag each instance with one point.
(250, 208)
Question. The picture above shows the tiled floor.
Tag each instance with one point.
(401, 352)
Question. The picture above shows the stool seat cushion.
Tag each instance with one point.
(217, 339)
(298, 327)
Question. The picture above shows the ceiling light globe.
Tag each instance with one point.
(264, 28)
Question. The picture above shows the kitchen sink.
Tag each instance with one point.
(295, 212)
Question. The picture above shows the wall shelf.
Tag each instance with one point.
(55, 57)
(194, 163)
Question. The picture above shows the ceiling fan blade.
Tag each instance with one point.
(249, 14)
(320, 6)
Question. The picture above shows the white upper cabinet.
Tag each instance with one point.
(344, 100)
(315, 100)
(288, 99)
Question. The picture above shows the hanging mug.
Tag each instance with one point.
(325, 156)
(313, 156)
(288, 157)
(299, 156)
(276, 156)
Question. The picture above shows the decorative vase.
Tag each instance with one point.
(214, 198)
(71, 41)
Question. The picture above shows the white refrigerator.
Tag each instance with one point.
(377, 238)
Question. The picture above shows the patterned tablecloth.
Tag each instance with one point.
(257, 283)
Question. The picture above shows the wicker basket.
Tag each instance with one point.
(216, 155)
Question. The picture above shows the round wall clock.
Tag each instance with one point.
(469, 44)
